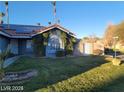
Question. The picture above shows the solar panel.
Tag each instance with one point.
(22, 28)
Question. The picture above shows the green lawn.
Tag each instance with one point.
(90, 73)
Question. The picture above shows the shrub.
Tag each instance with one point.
(116, 61)
(108, 51)
(60, 53)
(98, 52)
(69, 52)
(38, 45)
(1, 74)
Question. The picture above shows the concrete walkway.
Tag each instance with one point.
(9, 61)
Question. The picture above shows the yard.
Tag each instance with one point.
(89, 73)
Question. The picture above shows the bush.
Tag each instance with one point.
(98, 52)
(116, 61)
(108, 51)
(60, 53)
(69, 52)
(1, 74)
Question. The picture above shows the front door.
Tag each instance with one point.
(50, 51)
(54, 44)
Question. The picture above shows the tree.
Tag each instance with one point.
(38, 45)
(1, 17)
(40, 42)
(109, 34)
(120, 32)
(114, 31)
(7, 12)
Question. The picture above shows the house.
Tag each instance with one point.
(88, 46)
(20, 38)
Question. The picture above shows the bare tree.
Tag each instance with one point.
(109, 34)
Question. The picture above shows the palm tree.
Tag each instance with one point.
(1, 17)
(49, 23)
(7, 12)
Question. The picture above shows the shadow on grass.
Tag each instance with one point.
(116, 85)
(52, 71)
(122, 62)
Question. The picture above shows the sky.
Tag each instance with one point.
(84, 18)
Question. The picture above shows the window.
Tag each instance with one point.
(29, 44)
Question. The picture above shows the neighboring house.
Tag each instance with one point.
(20, 38)
(87, 47)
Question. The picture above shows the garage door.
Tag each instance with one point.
(88, 48)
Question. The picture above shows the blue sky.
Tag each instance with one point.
(83, 18)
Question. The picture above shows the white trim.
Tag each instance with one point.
(21, 37)
(2, 33)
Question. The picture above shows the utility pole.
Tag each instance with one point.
(115, 38)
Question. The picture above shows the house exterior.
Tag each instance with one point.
(20, 38)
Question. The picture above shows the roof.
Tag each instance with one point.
(52, 27)
(28, 31)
